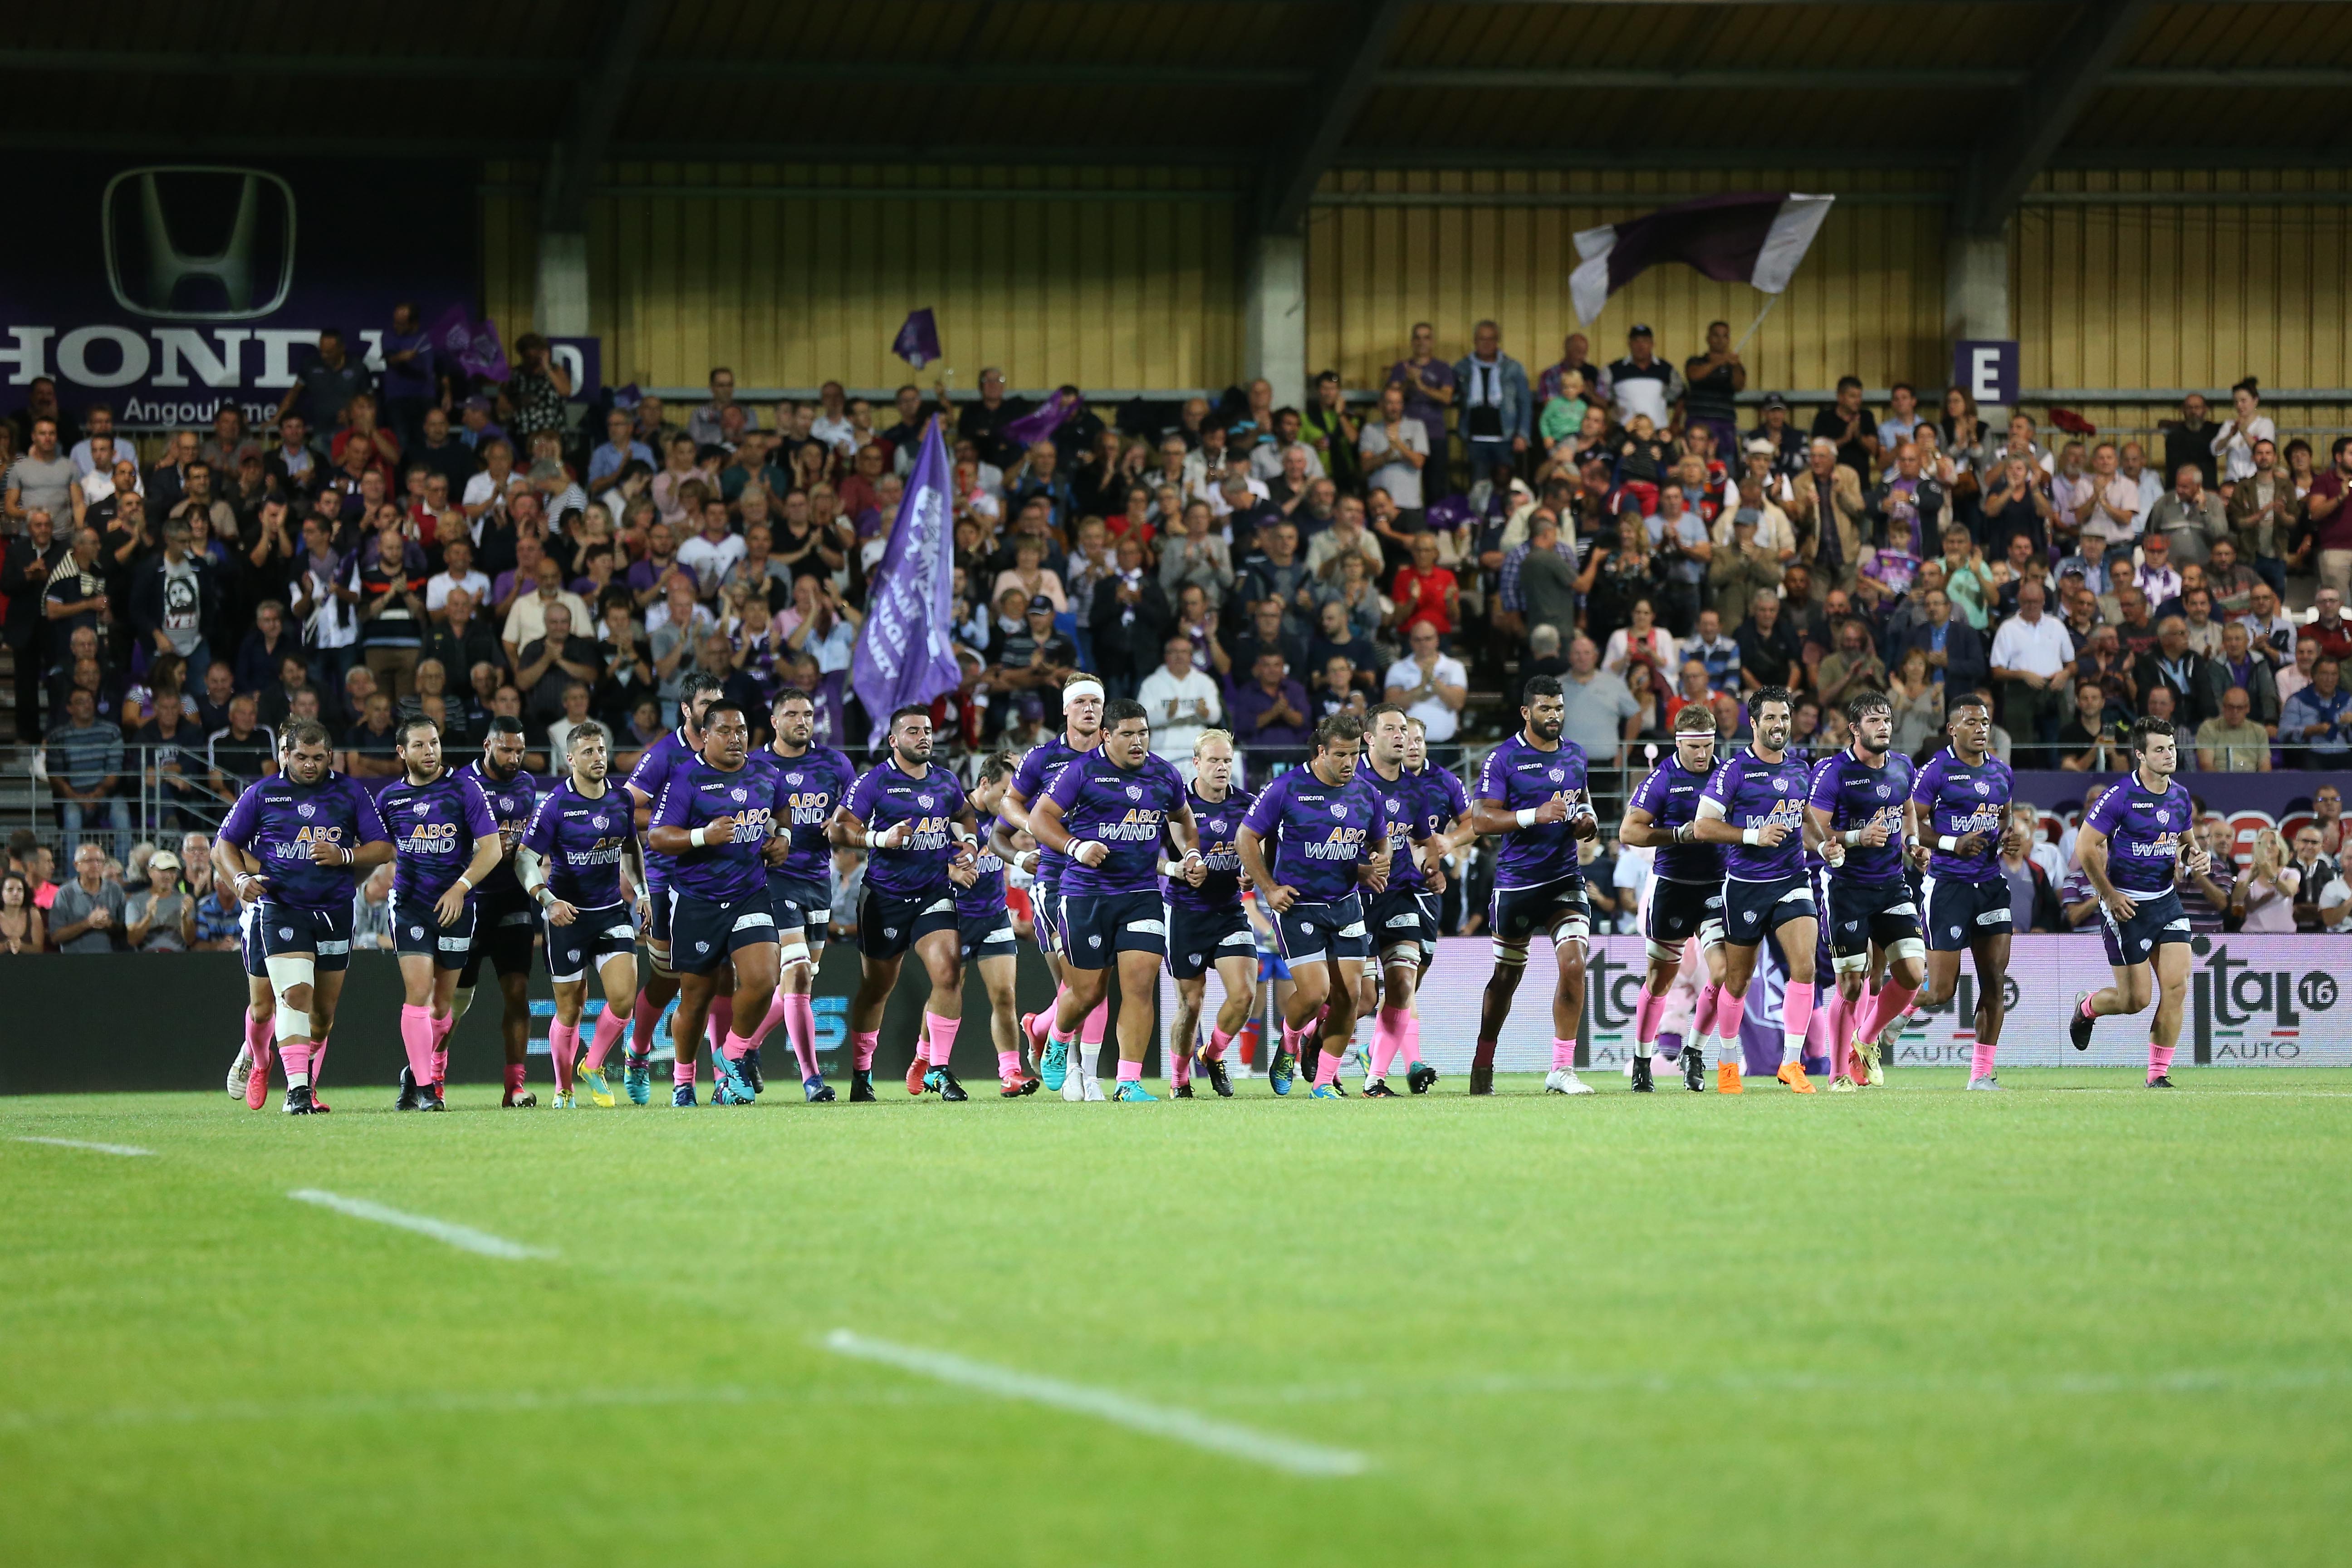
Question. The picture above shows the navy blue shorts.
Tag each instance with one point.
(1316, 930)
(987, 936)
(657, 920)
(889, 925)
(1514, 914)
(505, 926)
(1046, 914)
(802, 903)
(1401, 917)
(1097, 926)
(1864, 915)
(419, 933)
(2160, 919)
(1198, 939)
(1958, 914)
(706, 932)
(593, 936)
(248, 943)
(1752, 909)
(324, 935)
(1681, 911)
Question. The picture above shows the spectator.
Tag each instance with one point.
(1826, 500)
(160, 917)
(2205, 894)
(554, 662)
(2312, 870)
(1336, 690)
(1598, 704)
(1850, 669)
(2330, 520)
(2263, 899)
(370, 746)
(1496, 409)
(1425, 593)
(85, 767)
(1849, 428)
(2188, 520)
(324, 387)
(1278, 573)
(22, 929)
(1271, 710)
(2179, 669)
(2093, 740)
(1717, 652)
(2234, 443)
(1200, 556)
(2232, 743)
(1130, 615)
(86, 916)
(25, 570)
(2317, 719)
(1743, 564)
(2033, 658)
(1181, 700)
(40, 480)
(1918, 704)
(1954, 651)
(2033, 899)
(2236, 665)
(1768, 651)
(1429, 685)
(1641, 384)
(1640, 641)
(240, 752)
(1395, 450)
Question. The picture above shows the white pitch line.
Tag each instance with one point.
(1153, 1420)
(126, 1150)
(463, 1236)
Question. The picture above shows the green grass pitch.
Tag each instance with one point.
(2076, 1323)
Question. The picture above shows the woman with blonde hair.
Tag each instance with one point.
(2264, 896)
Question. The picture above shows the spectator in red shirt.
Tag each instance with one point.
(2329, 506)
(1425, 591)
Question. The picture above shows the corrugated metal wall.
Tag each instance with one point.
(793, 290)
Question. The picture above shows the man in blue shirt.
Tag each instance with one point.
(2316, 724)
(2130, 845)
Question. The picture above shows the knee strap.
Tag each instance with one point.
(287, 969)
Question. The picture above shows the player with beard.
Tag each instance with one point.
(695, 693)
(1105, 813)
(713, 821)
(906, 814)
(248, 1075)
(504, 921)
(1402, 922)
(2131, 844)
(811, 781)
(1448, 804)
(1533, 791)
(570, 861)
(299, 842)
(1855, 817)
(1754, 802)
(1959, 803)
(446, 844)
(1330, 842)
(1686, 902)
(984, 930)
(1206, 923)
(1082, 707)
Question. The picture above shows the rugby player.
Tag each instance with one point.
(985, 933)
(1686, 902)
(1207, 925)
(2130, 845)
(1329, 843)
(1533, 792)
(504, 921)
(695, 695)
(905, 813)
(300, 841)
(1082, 707)
(1105, 813)
(811, 781)
(571, 863)
(1855, 817)
(249, 1074)
(712, 821)
(1401, 917)
(446, 844)
(1755, 803)
(1449, 804)
(1959, 803)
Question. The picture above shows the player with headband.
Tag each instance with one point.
(1959, 803)
(1685, 897)
(2130, 843)
(1082, 707)
(1855, 817)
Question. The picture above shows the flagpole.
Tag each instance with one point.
(1769, 300)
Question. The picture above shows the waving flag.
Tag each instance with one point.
(472, 346)
(904, 654)
(1753, 236)
(918, 341)
(1036, 425)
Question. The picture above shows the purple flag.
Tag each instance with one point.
(472, 346)
(918, 341)
(1751, 237)
(904, 654)
(1033, 427)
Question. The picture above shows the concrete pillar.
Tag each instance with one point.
(1976, 285)
(1275, 315)
(560, 309)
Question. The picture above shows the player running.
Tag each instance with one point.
(301, 838)
(1402, 916)
(571, 862)
(811, 781)
(1449, 805)
(1105, 813)
(1855, 817)
(905, 814)
(1206, 923)
(446, 844)
(1532, 791)
(1755, 803)
(1959, 803)
(695, 693)
(504, 920)
(1082, 707)
(712, 821)
(2131, 844)
(1330, 842)
(248, 1075)
(1686, 902)
(985, 933)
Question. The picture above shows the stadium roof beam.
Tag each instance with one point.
(574, 161)
(2052, 99)
(1359, 47)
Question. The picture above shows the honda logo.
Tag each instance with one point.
(199, 242)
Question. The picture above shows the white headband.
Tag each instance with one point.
(1082, 689)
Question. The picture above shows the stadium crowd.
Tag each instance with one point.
(411, 539)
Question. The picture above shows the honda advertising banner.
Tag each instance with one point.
(164, 287)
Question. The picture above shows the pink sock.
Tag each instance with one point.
(1180, 1067)
(775, 1014)
(604, 1037)
(1097, 1024)
(2082, 1008)
(1563, 1056)
(1008, 1064)
(258, 1034)
(943, 1034)
(2159, 1060)
(682, 1072)
(1796, 1017)
(416, 1036)
(1326, 1068)
(1296, 1039)
(1218, 1041)
(722, 1021)
(1412, 1042)
(643, 1016)
(799, 1027)
(442, 1026)
(1388, 1037)
(296, 1056)
(516, 1071)
(1730, 1007)
(1887, 1006)
(1042, 1024)
(1129, 1072)
(319, 1058)
(1648, 1012)
(861, 1049)
(563, 1044)
(1821, 1038)
(735, 1046)
(1979, 1060)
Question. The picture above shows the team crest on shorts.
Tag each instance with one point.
(891, 931)
(1193, 958)
(1956, 930)
(702, 947)
(286, 934)
(1094, 941)
(416, 932)
(1307, 928)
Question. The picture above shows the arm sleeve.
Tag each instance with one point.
(1922, 784)
(1266, 811)
(1824, 793)
(238, 827)
(669, 811)
(538, 838)
(2109, 811)
(368, 821)
(1722, 784)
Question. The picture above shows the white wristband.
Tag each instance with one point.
(1850, 837)
(1527, 817)
(696, 838)
(1751, 836)
(1948, 842)
(1078, 844)
(464, 881)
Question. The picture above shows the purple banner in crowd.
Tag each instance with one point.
(904, 654)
